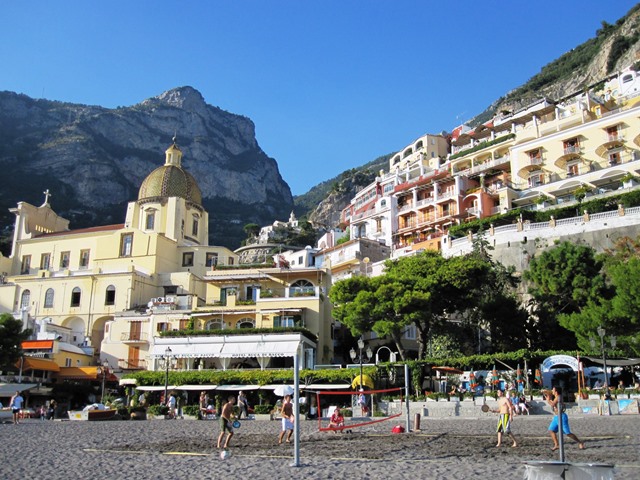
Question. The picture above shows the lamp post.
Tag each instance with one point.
(166, 361)
(104, 370)
(601, 333)
(353, 354)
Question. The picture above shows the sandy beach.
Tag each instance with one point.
(443, 448)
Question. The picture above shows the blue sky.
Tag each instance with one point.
(330, 85)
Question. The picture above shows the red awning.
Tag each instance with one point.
(37, 344)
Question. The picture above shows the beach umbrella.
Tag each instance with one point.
(519, 378)
(283, 390)
(472, 381)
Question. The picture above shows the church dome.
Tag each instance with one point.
(170, 180)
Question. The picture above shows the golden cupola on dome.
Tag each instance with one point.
(171, 180)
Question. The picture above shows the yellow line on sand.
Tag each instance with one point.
(193, 454)
(104, 450)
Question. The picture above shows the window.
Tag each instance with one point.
(67, 362)
(410, 333)
(300, 260)
(64, 259)
(213, 325)
(48, 298)
(26, 299)
(150, 220)
(572, 170)
(245, 323)
(194, 226)
(535, 156)
(614, 158)
(110, 295)
(126, 244)
(84, 258)
(76, 294)
(378, 225)
(535, 180)
(187, 259)
(212, 259)
(162, 327)
(45, 260)
(26, 264)
(302, 288)
(283, 321)
(571, 146)
(230, 261)
(612, 133)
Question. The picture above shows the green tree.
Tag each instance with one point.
(424, 290)
(498, 309)
(563, 281)
(11, 337)
(252, 230)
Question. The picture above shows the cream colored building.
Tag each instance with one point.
(238, 298)
(80, 280)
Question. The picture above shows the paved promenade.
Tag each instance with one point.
(443, 449)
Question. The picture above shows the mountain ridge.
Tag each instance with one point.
(93, 159)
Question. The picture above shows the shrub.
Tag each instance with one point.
(263, 409)
(158, 410)
(192, 410)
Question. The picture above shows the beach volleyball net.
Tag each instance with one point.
(358, 408)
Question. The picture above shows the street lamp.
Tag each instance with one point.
(104, 370)
(601, 333)
(353, 354)
(166, 361)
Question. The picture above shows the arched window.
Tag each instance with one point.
(302, 288)
(48, 298)
(25, 301)
(76, 294)
(110, 295)
(214, 325)
(245, 323)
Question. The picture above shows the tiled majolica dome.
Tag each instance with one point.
(170, 180)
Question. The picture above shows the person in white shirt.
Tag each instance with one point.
(171, 403)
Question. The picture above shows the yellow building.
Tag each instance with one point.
(76, 281)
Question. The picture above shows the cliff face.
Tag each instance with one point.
(94, 159)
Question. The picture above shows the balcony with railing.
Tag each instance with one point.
(132, 364)
(134, 337)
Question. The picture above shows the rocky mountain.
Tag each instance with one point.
(94, 159)
(613, 48)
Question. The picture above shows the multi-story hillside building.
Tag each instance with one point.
(540, 155)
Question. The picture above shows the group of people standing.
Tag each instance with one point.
(227, 417)
(506, 410)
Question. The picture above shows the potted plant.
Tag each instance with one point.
(629, 180)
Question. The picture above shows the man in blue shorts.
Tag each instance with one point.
(553, 398)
